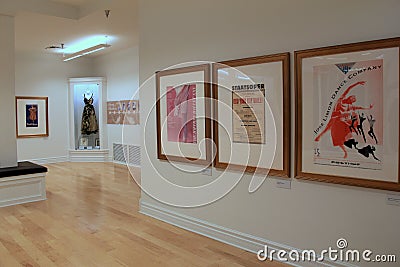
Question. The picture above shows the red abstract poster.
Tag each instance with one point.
(181, 110)
(348, 130)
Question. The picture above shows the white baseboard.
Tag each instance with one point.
(118, 162)
(86, 158)
(235, 238)
(22, 189)
(101, 155)
(49, 160)
(124, 163)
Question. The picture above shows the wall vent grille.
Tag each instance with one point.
(127, 154)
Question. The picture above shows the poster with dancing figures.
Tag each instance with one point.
(181, 110)
(348, 130)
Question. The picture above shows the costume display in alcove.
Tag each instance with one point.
(89, 120)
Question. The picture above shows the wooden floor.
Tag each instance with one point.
(91, 219)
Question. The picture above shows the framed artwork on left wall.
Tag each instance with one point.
(32, 116)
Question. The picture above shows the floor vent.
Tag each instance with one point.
(128, 154)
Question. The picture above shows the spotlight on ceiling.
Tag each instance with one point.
(87, 51)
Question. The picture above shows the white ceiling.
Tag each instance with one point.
(73, 2)
(34, 31)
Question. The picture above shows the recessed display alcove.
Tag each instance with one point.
(87, 119)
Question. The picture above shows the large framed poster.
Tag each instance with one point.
(183, 114)
(32, 116)
(252, 114)
(347, 115)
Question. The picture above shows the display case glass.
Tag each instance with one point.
(87, 115)
(86, 111)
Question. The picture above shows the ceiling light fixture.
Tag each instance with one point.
(87, 51)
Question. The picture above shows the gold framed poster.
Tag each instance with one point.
(252, 114)
(347, 114)
(183, 114)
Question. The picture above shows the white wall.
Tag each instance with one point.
(8, 145)
(44, 74)
(310, 215)
(121, 69)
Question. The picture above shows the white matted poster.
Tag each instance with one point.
(183, 115)
(348, 114)
(252, 114)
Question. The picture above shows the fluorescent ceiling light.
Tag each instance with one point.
(87, 51)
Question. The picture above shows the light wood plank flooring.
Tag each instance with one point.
(91, 219)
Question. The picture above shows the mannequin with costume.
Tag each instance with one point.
(89, 123)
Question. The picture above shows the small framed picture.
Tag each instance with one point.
(32, 116)
(97, 142)
(83, 142)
